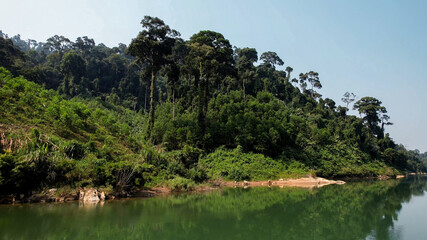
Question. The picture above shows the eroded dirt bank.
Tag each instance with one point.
(308, 182)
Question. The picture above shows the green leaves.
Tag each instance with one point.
(201, 95)
(152, 46)
(154, 43)
(373, 114)
(73, 64)
(236, 165)
(270, 59)
(259, 124)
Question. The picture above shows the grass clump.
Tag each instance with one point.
(179, 184)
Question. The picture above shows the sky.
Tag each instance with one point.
(371, 48)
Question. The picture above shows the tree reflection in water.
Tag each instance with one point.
(359, 210)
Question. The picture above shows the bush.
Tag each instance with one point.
(180, 184)
(236, 165)
(74, 149)
(197, 174)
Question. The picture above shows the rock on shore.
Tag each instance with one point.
(91, 195)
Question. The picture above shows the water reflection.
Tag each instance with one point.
(89, 205)
(364, 210)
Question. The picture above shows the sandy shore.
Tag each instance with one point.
(308, 182)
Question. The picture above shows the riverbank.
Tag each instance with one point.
(259, 211)
(59, 195)
(306, 182)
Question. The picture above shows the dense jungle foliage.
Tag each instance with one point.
(164, 110)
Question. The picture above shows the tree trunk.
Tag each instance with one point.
(244, 90)
(173, 104)
(265, 84)
(201, 115)
(346, 111)
(152, 106)
(201, 111)
(312, 91)
(145, 98)
(206, 97)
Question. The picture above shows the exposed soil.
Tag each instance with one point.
(308, 182)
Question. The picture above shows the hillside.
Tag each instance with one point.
(79, 114)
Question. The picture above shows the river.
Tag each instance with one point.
(392, 209)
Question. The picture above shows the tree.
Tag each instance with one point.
(84, 44)
(303, 82)
(73, 66)
(121, 49)
(288, 70)
(3, 35)
(385, 121)
(294, 82)
(173, 75)
(271, 59)
(118, 64)
(348, 98)
(246, 57)
(330, 103)
(373, 113)
(19, 43)
(9, 54)
(267, 74)
(313, 78)
(212, 55)
(174, 70)
(151, 46)
(58, 44)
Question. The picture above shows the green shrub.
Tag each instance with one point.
(237, 165)
(181, 184)
(74, 149)
(197, 174)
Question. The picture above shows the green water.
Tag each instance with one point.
(394, 209)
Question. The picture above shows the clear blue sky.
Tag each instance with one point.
(372, 48)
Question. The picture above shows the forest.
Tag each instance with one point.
(174, 112)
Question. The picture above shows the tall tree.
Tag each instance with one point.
(373, 113)
(288, 70)
(312, 78)
(385, 121)
(303, 82)
(58, 44)
(348, 98)
(212, 55)
(175, 69)
(151, 46)
(246, 57)
(73, 66)
(9, 54)
(84, 44)
(271, 59)
(173, 75)
(267, 71)
(330, 104)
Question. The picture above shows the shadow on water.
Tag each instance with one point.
(352, 211)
